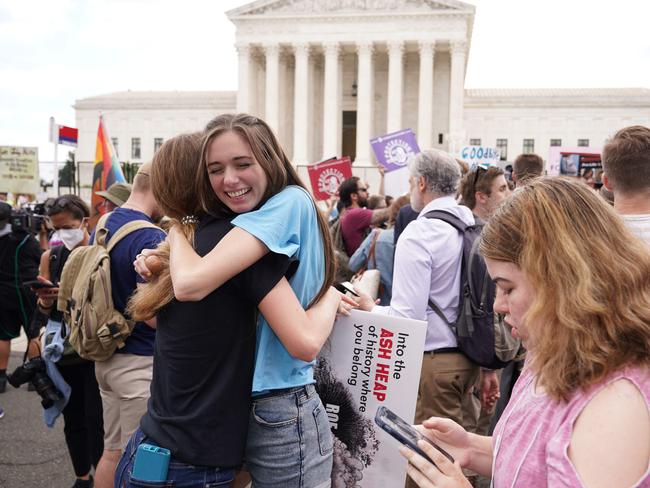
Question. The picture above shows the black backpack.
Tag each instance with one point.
(474, 327)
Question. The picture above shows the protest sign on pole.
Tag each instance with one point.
(571, 161)
(394, 150)
(19, 170)
(480, 156)
(326, 176)
(370, 360)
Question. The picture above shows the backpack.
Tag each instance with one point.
(96, 329)
(484, 340)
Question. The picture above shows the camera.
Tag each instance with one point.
(30, 218)
(34, 371)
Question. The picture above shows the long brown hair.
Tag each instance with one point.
(173, 172)
(277, 167)
(591, 311)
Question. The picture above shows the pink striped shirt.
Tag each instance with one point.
(531, 440)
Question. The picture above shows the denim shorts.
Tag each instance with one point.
(180, 475)
(289, 443)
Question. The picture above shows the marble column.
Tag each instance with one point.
(272, 94)
(300, 103)
(365, 97)
(332, 105)
(244, 92)
(456, 95)
(395, 81)
(425, 94)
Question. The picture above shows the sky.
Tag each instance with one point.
(55, 52)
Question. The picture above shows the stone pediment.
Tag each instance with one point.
(317, 7)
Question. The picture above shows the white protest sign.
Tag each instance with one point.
(370, 360)
(479, 155)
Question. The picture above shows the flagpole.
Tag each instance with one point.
(54, 138)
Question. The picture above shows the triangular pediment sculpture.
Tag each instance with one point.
(318, 7)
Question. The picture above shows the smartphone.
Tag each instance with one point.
(346, 286)
(151, 463)
(405, 433)
(37, 285)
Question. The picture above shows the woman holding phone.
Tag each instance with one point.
(82, 415)
(579, 413)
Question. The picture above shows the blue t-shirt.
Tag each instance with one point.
(288, 224)
(124, 279)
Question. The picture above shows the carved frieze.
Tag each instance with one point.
(301, 7)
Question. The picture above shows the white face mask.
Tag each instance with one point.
(71, 237)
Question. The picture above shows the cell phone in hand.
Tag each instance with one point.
(405, 433)
(346, 287)
(37, 285)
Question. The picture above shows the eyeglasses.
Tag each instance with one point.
(476, 175)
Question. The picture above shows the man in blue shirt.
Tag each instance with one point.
(125, 378)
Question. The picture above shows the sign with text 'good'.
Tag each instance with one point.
(370, 360)
(480, 156)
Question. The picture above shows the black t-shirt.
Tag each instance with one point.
(29, 257)
(203, 362)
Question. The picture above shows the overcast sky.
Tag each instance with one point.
(53, 52)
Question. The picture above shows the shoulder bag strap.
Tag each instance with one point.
(100, 230)
(126, 229)
(373, 244)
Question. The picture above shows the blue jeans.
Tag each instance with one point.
(180, 475)
(289, 443)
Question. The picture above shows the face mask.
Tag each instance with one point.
(71, 237)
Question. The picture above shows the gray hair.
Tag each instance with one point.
(441, 172)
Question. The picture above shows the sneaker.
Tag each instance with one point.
(84, 483)
(31, 387)
(2, 413)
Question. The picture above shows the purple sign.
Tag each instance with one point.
(393, 151)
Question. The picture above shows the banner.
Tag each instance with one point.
(370, 360)
(394, 150)
(106, 169)
(327, 176)
(19, 170)
(480, 156)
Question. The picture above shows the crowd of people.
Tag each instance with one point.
(231, 304)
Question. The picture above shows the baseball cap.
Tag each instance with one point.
(117, 193)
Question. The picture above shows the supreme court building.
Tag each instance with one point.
(328, 75)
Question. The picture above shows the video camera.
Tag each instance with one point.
(30, 218)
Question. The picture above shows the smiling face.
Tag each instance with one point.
(236, 177)
(515, 294)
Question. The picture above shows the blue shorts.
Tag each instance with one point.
(180, 475)
(290, 443)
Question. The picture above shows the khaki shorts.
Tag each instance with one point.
(124, 384)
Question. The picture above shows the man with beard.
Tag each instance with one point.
(356, 219)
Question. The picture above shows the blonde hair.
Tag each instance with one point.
(173, 174)
(591, 310)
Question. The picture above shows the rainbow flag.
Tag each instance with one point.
(106, 169)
